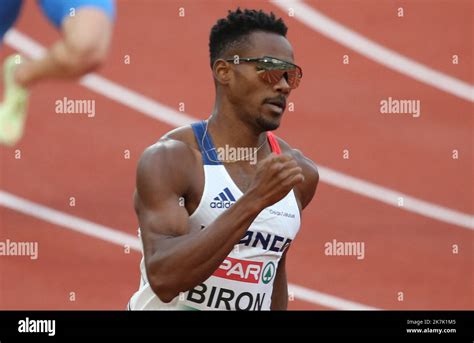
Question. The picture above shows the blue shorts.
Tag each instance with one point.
(55, 10)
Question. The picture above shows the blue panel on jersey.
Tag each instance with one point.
(208, 151)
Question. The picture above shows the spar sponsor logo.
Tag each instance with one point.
(268, 272)
(224, 298)
(246, 271)
(239, 270)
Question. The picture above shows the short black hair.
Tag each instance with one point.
(232, 31)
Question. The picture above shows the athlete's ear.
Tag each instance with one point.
(222, 71)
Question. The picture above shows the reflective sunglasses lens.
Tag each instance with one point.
(294, 77)
(273, 76)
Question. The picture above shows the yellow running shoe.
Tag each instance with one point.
(14, 105)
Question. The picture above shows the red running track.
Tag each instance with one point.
(336, 108)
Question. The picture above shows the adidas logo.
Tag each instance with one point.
(225, 199)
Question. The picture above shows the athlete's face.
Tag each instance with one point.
(256, 100)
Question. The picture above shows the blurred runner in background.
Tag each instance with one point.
(86, 27)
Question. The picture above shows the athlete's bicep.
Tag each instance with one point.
(161, 184)
(165, 220)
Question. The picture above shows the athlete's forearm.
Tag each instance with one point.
(181, 263)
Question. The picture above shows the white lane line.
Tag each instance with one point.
(68, 221)
(101, 85)
(397, 199)
(374, 51)
(158, 111)
(135, 100)
(122, 239)
(327, 300)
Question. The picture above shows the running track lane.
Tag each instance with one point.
(426, 33)
(358, 127)
(188, 106)
(65, 273)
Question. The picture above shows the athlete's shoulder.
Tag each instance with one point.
(184, 135)
(307, 188)
(172, 156)
(179, 142)
(297, 155)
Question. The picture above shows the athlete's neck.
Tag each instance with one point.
(229, 129)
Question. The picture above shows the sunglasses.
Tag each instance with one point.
(272, 69)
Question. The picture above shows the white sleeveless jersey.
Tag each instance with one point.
(244, 280)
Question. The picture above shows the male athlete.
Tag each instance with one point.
(216, 231)
(86, 27)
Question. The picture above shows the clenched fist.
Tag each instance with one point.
(276, 176)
